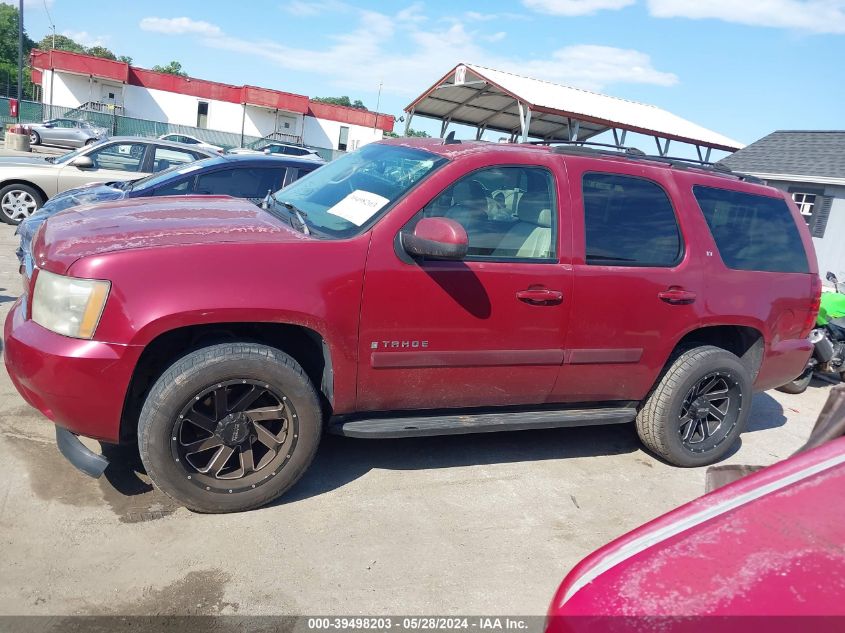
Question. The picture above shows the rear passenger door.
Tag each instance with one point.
(636, 286)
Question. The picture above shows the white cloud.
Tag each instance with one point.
(313, 8)
(407, 54)
(180, 26)
(817, 16)
(576, 7)
(495, 37)
(86, 39)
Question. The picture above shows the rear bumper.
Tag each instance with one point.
(783, 361)
(79, 385)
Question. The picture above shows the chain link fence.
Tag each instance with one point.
(118, 125)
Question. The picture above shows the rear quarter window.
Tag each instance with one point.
(752, 232)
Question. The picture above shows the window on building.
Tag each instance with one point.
(202, 114)
(343, 141)
(806, 202)
(629, 222)
(752, 232)
(813, 205)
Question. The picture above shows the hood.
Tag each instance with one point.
(6, 161)
(154, 222)
(85, 195)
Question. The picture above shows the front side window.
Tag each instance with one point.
(345, 196)
(752, 232)
(179, 187)
(244, 182)
(167, 157)
(509, 213)
(119, 156)
(629, 221)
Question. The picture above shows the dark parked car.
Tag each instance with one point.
(239, 176)
(414, 287)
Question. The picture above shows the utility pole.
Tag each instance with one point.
(20, 56)
(378, 103)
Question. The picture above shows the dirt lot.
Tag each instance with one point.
(484, 524)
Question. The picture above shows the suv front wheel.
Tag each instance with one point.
(698, 409)
(229, 427)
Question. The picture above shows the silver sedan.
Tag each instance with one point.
(65, 133)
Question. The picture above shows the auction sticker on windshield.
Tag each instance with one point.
(359, 206)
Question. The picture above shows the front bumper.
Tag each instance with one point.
(80, 385)
(79, 455)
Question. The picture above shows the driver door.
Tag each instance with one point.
(112, 161)
(470, 333)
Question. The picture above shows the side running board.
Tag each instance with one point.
(425, 425)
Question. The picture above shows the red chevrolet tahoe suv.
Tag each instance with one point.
(413, 288)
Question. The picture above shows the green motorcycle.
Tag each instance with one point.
(828, 340)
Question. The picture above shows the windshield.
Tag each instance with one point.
(343, 197)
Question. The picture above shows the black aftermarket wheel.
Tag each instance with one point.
(229, 427)
(698, 409)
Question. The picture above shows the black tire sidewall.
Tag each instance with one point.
(718, 361)
(19, 187)
(799, 385)
(197, 371)
(34, 138)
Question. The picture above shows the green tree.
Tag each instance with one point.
(342, 101)
(411, 132)
(125, 59)
(100, 51)
(9, 51)
(60, 43)
(173, 68)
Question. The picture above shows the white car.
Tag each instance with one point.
(286, 149)
(192, 140)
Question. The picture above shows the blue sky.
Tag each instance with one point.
(740, 67)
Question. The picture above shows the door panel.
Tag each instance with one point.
(439, 334)
(637, 289)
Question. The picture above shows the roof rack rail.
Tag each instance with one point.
(677, 162)
(588, 145)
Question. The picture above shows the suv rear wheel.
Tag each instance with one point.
(229, 427)
(698, 409)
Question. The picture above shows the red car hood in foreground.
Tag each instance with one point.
(150, 222)
(770, 544)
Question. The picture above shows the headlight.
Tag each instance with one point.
(67, 305)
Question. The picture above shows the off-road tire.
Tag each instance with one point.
(658, 420)
(205, 368)
(799, 385)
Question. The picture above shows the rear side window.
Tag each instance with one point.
(243, 182)
(752, 232)
(629, 222)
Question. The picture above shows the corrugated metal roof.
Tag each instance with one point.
(477, 95)
(809, 154)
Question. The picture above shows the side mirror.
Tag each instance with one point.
(83, 162)
(831, 278)
(436, 238)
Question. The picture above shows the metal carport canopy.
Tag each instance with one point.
(522, 107)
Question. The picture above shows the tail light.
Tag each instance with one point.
(815, 304)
